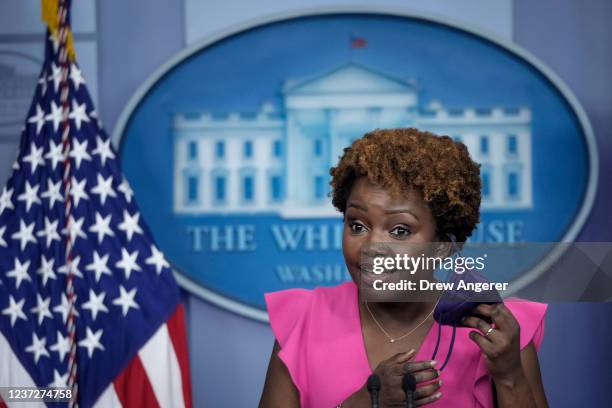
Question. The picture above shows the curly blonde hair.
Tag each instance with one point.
(405, 158)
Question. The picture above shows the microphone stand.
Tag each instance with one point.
(373, 387)
(409, 385)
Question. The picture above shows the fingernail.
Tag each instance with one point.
(438, 395)
(439, 382)
(433, 362)
(463, 319)
(438, 373)
(410, 351)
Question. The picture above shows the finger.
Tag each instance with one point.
(426, 375)
(415, 366)
(428, 400)
(400, 358)
(479, 324)
(498, 313)
(485, 345)
(427, 390)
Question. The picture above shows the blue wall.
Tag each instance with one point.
(573, 39)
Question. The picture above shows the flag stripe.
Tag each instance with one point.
(177, 330)
(137, 385)
(12, 373)
(162, 368)
(133, 388)
(108, 399)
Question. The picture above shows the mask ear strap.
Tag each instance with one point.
(450, 349)
(454, 245)
(455, 250)
(433, 357)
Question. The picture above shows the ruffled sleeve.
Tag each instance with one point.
(530, 317)
(289, 312)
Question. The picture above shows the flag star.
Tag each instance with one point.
(76, 76)
(104, 188)
(126, 300)
(75, 229)
(25, 233)
(102, 227)
(103, 149)
(77, 191)
(55, 154)
(35, 158)
(2, 241)
(59, 381)
(50, 231)
(95, 304)
(62, 346)
(38, 118)
(78, 113)
(38, 347)
(56, 76)
(64, 307)
(19, 272)
(53, 192)
(54, 41)
(5, 200)
(74, 268)
(94, 114)
(30, 196)
(128, 262)
(130, 224)
(125, 188)
(43, 84)
(46, 269)
(15, 310)
(157, 259)
(42, 308)
(55, 116)
(99, 265)
(92, 342)
(79, 152)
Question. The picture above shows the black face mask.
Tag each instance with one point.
(456, 304)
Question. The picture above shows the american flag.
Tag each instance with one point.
(84, 258)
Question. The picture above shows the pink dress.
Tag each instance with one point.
(319, 332)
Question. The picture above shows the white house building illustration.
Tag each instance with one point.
(278, 160)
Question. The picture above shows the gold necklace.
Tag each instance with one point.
(391, 339)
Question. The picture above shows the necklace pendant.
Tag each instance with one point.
(391, 340)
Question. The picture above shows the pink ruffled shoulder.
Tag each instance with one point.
(289, 312)
(530, 317)
(287, 309)
(307, 324)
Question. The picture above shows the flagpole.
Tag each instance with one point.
(66, 144)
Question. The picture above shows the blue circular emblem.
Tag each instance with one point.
(228, 146)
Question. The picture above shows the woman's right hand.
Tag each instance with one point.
(391, 373)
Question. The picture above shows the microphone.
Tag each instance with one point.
(409, 385)
(373, 388)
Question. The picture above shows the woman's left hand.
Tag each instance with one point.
(500, 342)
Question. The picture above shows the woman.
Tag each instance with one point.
(403, 186)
